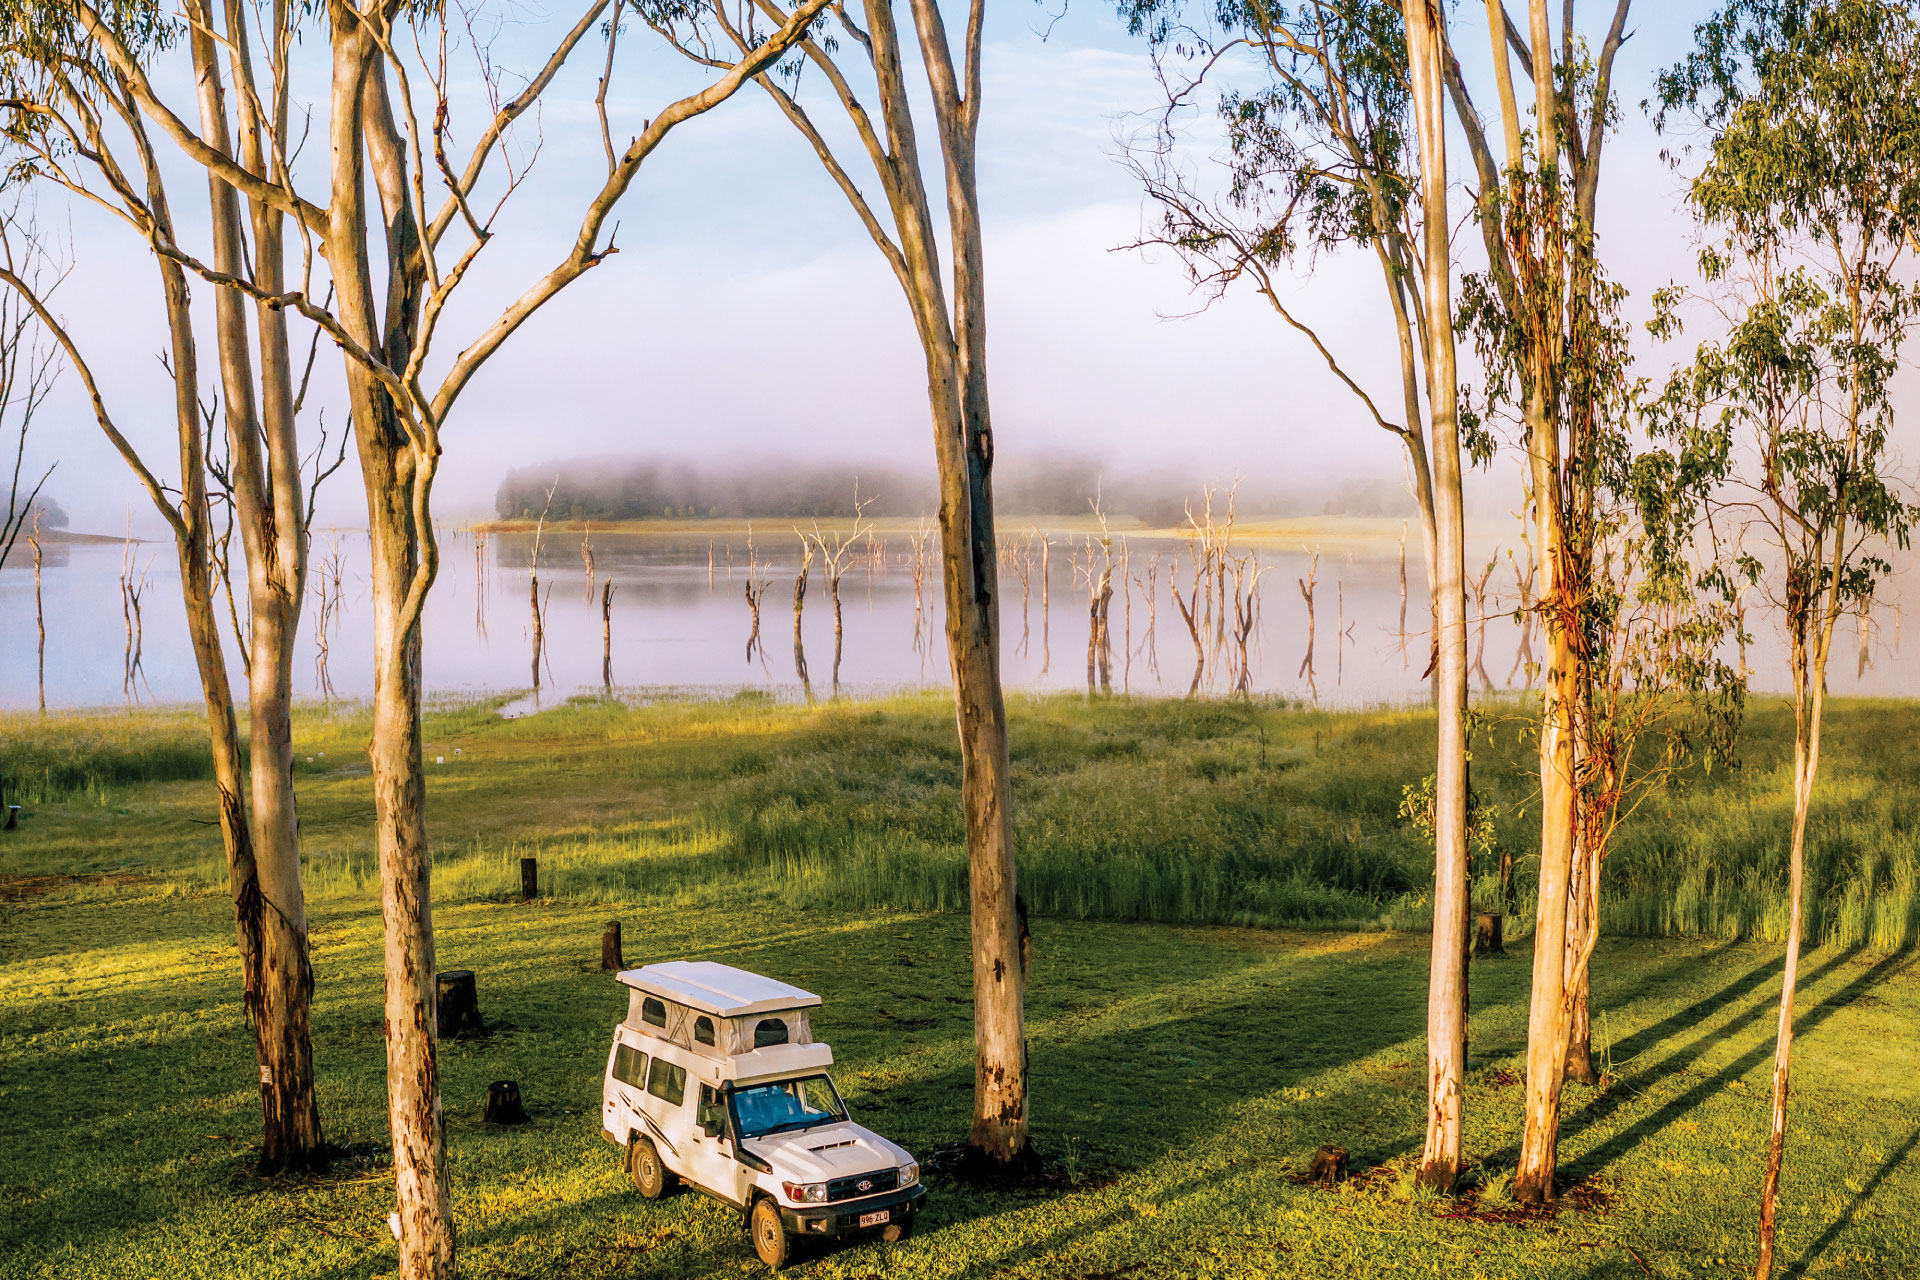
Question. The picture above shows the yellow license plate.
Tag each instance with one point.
(873, 1219)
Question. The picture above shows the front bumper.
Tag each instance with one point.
(844, 1217)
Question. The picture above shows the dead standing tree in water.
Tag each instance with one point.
(328, 586)
(835, 552)
(1017, 556)
(586, 558)
(1189, 606)
(480, 586)
(1046, 604)
(1247, 572)
(1149, 587)
(535, 601)
(27, 374)
(800, 603)
(39, 614)
(1478, 586)
(606, 635)
(1308, 585)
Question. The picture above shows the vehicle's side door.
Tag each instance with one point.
(626, 1085)
(664, 1114)
(710, 1148)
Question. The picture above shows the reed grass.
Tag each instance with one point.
(1258, 813)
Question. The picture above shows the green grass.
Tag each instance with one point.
(1127, 809)
(1184, 1065)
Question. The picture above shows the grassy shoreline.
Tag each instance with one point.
(1157, 810)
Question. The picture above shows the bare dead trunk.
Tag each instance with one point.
(539, 628)
(839, 631)
(1046, 604)
(39, 618)
(606, 635)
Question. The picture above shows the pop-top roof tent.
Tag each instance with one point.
(722, 1012)
(718, 989)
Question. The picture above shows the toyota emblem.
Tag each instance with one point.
(866, 1184)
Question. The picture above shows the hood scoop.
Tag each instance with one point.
(831, 1146)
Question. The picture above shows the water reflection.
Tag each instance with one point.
(680, 610)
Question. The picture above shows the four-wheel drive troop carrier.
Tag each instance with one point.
(715, 1079)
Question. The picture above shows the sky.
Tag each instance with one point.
(747, 315)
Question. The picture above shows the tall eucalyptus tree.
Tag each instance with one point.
(948, 306)
(1543, 315)
(1810, 189)
(393, 265)
(71, 124)
(1336, 141)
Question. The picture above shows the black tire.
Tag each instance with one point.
(769, 1234)
(898, 1230)
(650, 1177)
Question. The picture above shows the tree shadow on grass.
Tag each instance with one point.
(1804, 1024)
(1805, 1262)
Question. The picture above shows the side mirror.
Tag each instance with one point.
(712, 1128)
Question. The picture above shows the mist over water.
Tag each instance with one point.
(676, 621)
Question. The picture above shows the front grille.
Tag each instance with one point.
(863, 1184)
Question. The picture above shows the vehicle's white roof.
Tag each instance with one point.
(718, 989)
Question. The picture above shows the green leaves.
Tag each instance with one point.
(1812, 187)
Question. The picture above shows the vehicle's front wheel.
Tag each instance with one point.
(650, 1177)
(769, 1234)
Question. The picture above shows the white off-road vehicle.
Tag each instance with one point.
(715, 1079)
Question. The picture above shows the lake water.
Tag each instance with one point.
(680, 618)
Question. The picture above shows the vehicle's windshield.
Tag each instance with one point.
(785, 1105)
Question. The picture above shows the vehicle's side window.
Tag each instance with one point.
(653, 1012)
(712, 1112)
(630, 1066)
(703, 1029)
(769, 1031)
(667, 1082)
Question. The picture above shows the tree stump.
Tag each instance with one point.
(13, 816)
(611, 958)
(503, 1103)
(529, 879)
(457, 1009)
(1488, 935)
(1329, 1166)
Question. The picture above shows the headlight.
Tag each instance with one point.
(805, 1192)
(909, 1174)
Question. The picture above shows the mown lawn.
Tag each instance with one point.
(1182, 1072)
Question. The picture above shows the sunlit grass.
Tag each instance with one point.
(1185, 1069)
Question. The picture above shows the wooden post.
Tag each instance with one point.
(611, 958)
(457, 1006)
(529, 879)
(1329, 1166)
(503, 1103)
(1489, 937)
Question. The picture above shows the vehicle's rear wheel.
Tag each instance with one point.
(769, 1234)
(899, 1229)
(650, 1177)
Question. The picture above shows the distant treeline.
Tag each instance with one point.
(652, 489)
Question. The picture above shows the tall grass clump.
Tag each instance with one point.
(88, 757)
